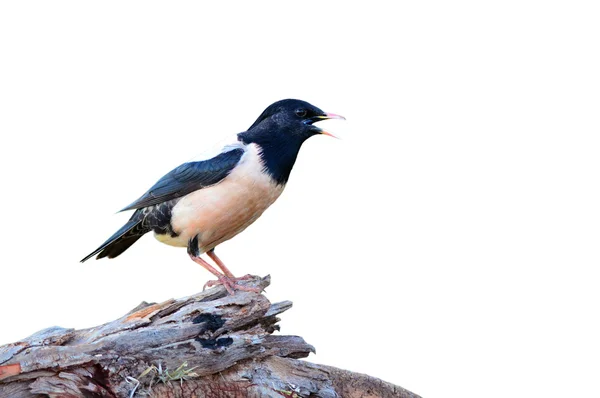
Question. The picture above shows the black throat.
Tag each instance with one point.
(279, 151)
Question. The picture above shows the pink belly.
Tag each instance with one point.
(220, 212)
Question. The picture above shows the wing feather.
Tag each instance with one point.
(189, 177)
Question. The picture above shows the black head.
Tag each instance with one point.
(293, 116)
(280, 131)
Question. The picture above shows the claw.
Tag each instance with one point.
(227, 280)
(231, 285)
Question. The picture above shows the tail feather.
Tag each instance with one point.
(121, 240)
(118, 247)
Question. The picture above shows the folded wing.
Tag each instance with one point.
(189, 177)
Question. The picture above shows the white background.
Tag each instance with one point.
(448, 243)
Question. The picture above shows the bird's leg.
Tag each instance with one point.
(211, 253)
(194, 253)
(229, 282)
(222, 279)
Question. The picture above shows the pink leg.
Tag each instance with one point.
(217, 260)
(227, 280)
(229, 274)
(222, 279)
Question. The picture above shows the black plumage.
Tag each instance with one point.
(155, 218)
(280, 132)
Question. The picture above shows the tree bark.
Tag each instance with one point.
(207, 345)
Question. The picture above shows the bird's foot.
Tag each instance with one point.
(230, 283)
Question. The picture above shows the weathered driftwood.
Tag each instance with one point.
(207, 345)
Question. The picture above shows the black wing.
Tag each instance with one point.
(189, 177)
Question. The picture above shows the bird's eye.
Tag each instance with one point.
(300, 112)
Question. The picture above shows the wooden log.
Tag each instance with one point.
(207, 345)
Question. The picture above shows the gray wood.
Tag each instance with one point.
(210, 344)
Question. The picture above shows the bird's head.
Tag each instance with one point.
(294, 118)
(280, 131)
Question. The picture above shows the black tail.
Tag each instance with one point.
(122, 239)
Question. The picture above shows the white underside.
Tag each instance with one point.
(218, 213)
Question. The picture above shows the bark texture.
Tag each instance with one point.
(207, 345)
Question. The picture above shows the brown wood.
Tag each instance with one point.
(207, 345)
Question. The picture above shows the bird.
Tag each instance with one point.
(201, 204)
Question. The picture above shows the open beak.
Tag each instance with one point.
(331, 116)
(328, 116)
